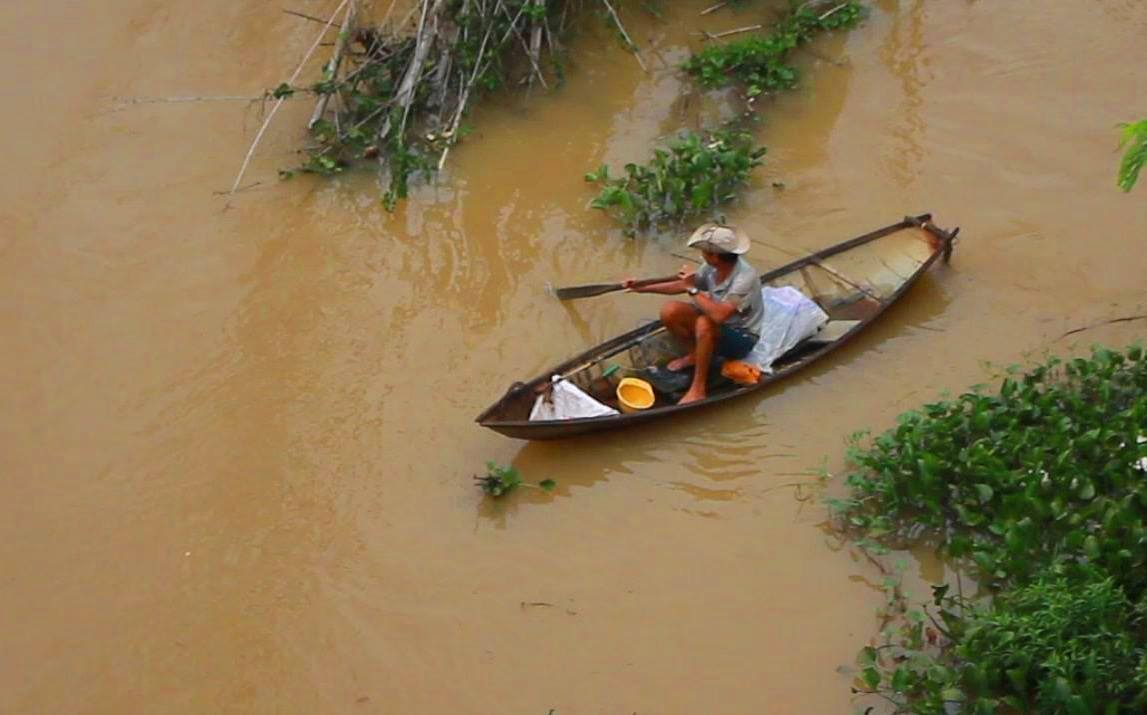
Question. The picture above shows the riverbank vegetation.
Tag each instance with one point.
(1038, 490)
(397, 97)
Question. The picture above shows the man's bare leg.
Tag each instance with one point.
(705, 331)
(680, 319)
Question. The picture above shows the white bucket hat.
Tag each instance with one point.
(718, 238)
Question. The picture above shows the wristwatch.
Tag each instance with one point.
(693, 290)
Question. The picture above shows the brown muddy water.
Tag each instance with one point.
(236, 445)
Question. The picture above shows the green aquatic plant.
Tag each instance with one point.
(1040, 489)
(1134, 143)
(760, 62)
(693, 174)
(1048, 470)
(1061, 644)
(499, 481)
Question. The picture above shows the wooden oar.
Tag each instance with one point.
(591, 289)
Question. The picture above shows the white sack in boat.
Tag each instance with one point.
(566, 401)
(790, 317)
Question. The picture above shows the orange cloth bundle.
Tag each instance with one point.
(741, 373)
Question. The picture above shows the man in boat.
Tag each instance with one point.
(724, 312)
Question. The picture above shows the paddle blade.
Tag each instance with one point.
(586, 291)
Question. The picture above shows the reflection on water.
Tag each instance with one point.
(906, 59)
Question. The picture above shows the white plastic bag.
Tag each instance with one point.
(790, 317)
(566, 401)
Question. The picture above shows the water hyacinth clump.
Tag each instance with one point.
(693, 174)
(499, 481)
(1060, 644)
(1049, 469)
(760, 62)
(1040, 490)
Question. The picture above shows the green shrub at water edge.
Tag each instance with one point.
(693, 174)
(1040, 489)
(1046, 471)
(1061, 644)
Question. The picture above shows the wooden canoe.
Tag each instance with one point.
(854, 282)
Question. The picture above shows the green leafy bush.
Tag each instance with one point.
(1057, 645)
(760, 62)
(1040, 488)
(695, 173)
(1046, 471)
(1062, 644)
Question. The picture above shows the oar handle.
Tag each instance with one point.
(587, 291)
(650, 281)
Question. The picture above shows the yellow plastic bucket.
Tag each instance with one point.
(634, 395)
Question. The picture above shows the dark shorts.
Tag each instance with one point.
(733, 343)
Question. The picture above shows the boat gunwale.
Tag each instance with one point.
(583, 424)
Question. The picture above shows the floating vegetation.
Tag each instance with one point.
(699, 171)
(1135, 155)
(1041, 489)
(499, 481)
(759, 62)
(398, 97)
(692, 175)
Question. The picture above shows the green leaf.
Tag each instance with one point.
(901, 679)
(1087, 490)
(548, 484)
(952, 695)
(1091, 547)
(871, 677)
(1134, 138)
(985, 493)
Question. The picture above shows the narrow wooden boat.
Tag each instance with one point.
(854, 282)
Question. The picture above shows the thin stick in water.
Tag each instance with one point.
(331, 69)
(628, 40)
(279, 103)
(726, 33)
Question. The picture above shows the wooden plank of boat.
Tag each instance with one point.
(854, 282)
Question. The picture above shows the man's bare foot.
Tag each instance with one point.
(691, 396)
(680, 363)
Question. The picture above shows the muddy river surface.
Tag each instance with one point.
(236, 443)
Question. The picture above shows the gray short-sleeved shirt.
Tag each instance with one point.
(742, 288)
